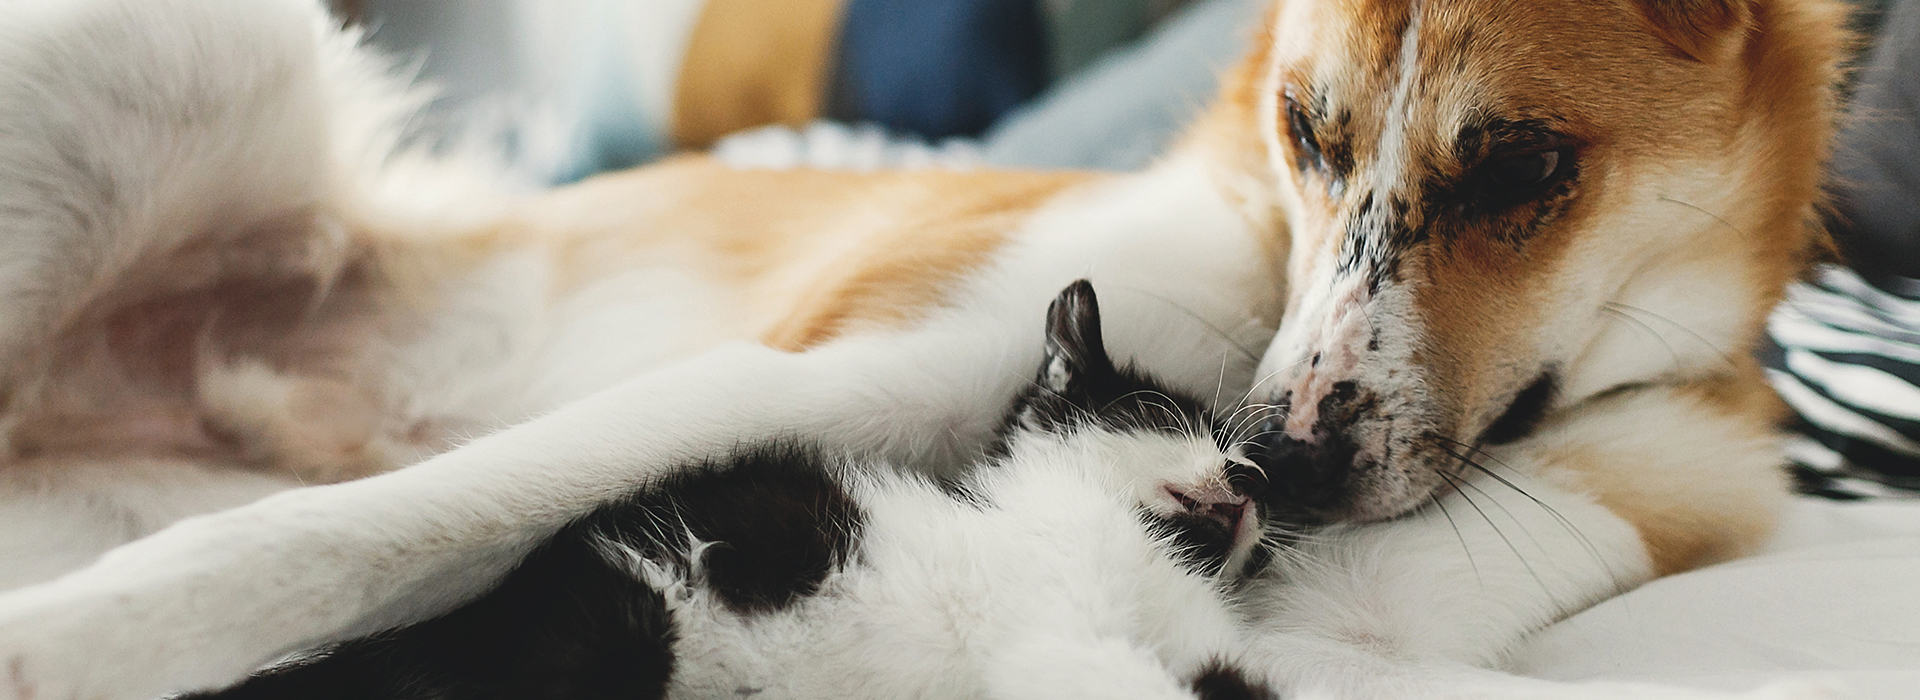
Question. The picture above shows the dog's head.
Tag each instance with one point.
(1497, 209)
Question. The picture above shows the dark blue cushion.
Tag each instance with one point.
(938, 68)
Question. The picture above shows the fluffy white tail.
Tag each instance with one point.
(152, 146)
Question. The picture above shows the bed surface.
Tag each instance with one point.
(1836, 595)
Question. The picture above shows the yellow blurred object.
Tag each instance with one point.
(754, 62)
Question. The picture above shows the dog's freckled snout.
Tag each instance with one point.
(1305, 478)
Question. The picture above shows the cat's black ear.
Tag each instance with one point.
(1076, 354)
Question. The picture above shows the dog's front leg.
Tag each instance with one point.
(204, 602)
(1427, 605)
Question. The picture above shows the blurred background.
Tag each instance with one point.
(581, 86)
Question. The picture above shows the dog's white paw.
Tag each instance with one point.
(24, 682)
(33, 663)
(96, 645)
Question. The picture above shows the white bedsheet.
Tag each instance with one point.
(1836, 595)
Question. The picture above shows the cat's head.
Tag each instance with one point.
(1163, 446)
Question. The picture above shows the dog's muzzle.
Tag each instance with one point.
(1312, 478)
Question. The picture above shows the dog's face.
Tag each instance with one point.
(1499, 208)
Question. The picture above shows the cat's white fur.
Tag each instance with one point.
(1053, 590)
(134, 128)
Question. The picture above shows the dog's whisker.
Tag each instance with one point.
(1623, 308)
(1716, 217)
(1269, 376)
(1251, 355)
(1617, 314)
(1566, 523)
(1460, 485)
(1464, 547)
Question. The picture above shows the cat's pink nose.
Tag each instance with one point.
(1218, 504)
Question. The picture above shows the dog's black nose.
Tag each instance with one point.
(1304, 480)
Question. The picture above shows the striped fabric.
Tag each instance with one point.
(1846, 357)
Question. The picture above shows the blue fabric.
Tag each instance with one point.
(938, 68)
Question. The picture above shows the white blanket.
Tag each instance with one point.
(1836, 595)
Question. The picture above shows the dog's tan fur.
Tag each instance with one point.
(809, 255)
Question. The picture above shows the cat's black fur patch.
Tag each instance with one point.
(1220, 681)
(1079, 384)
(780, 523)
(572, 622)
(1201, 544)
(563, 626)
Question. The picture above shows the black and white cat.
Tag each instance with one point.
(1094, 557)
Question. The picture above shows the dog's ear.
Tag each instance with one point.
(1698, 28)
(1076, 354)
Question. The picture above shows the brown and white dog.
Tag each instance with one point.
(1508, 255)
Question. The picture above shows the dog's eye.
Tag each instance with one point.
(1304, 142)
(1523, 174)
